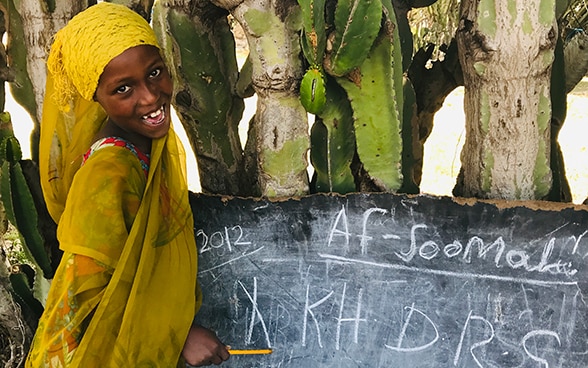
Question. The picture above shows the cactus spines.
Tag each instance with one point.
(314, 37)
(357, 23)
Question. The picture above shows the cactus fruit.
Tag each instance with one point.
(313, 90)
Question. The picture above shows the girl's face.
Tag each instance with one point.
(135, 89)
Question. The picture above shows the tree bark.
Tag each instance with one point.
(39, 24)
(276, 151)
(506, 50)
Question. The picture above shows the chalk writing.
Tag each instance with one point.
(219, 239)
(402, 335)
(430, 249)
(395, 282)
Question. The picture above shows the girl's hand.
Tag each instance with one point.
(202, 348)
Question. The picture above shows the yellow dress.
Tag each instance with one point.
(125, 293)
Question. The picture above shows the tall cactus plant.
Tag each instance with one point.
(30, 22)
(199, 45)
(362, 56)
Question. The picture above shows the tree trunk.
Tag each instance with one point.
(276, 152)
(40, 21)
(506, 50)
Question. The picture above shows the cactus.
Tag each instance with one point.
(277, 143)
(204, 68)
(377, 104)
(22, 87)
(357, 23)
(332, 143)
(314, 37)
(364, 56)
(18, 200)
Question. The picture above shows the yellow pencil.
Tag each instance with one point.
(249, 351)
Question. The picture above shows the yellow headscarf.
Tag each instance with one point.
(143, 314)
(71, 118)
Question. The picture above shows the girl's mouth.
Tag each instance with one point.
(155, 118)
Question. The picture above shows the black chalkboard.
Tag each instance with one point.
(383, 280)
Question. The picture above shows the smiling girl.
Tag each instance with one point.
(113, 177)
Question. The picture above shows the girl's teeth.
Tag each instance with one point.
(155, 118)
(153, 114)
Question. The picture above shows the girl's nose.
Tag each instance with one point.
(149, 93)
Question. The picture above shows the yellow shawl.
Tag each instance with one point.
(125, 293)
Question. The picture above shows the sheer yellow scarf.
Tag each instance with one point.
(145, 310)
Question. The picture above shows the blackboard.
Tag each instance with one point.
(384, 280)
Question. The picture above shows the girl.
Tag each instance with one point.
(113, 176)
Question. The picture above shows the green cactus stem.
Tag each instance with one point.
(357, 23)
(376, 95)
(19, 204)
(332, 144)
(201, 50)
(314, 37)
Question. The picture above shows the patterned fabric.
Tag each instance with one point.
(119, 142)
(81, 281)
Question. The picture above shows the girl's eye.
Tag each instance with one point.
(123, 89)
(155, 73)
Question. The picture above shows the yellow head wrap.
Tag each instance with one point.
(106, 30)
(80, 52)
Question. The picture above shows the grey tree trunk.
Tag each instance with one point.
(39, 23)
(276, 151)
(506, 50)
